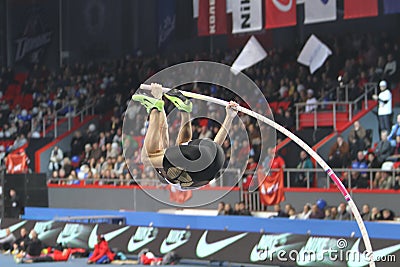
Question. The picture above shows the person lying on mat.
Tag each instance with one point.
(101, 253)
(51, 255)
(189, 164)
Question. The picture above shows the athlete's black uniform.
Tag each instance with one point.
(192, 165)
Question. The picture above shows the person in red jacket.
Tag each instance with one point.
(101, 253)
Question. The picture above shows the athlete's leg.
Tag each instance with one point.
(185, 106)
(185, 131)
(164, 140)
(152, 152)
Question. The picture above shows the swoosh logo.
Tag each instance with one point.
(283, 7)
(13, 227)
(205, 249)
(135, 245)
(108, 236)
(174, 239)
(359, 259)
(165, 248)
(272, 247)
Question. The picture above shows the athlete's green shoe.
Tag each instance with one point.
(149, 102)
(179, 100)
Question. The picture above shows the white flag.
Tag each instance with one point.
(246, 16)
(252, 53)
(319, 11)
(314, 53)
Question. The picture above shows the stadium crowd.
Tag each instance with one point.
(97, 153)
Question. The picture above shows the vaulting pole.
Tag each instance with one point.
(308, 149)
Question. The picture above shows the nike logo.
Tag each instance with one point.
(13, 227)
(359, 259)
(205, 249)
(142, 237)
(108, 236)
(270, 244)
(175, 238)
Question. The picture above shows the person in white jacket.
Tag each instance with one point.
(384, 106)
(56, 156)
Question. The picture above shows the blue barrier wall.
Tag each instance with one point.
(231, 223)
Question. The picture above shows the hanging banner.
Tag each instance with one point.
(391, 6)
(212, 17)
(166, 20)
(280, 13)
(246, 16)
(354, 9)
(319, 11)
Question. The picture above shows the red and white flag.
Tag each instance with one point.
(212, 17)
(271, 187)
(319, 11)
(280, 13)
(178, 196)
(360, 8)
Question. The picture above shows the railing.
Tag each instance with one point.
(58, 120)
(227, 178)
(352, 107)
(230, 177)
(252, 199)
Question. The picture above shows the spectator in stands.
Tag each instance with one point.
(77, 144)
(375, 214)
(7, 241)
(280, 212)
(372, 161)
(204, 133)
(383, 150)
(56, 157)
(21, 242)
(387, 215)
(243, 210)
(119, 165)
(316, 213)
(366, 213)
(228, 209)
(339, 153)
(334, 213)
(343, 215)
(311, 103)
(357, 139)
(87, 154)
(96, 152)
(394, 135)
(67, 166)
(19, 142)
(384, 106)
(384, 180)
(34, 246)
(305, 214)
(390, 69)
(303, 178)
(221, 208)
(359, 179)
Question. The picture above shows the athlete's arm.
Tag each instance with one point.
(226, 125)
